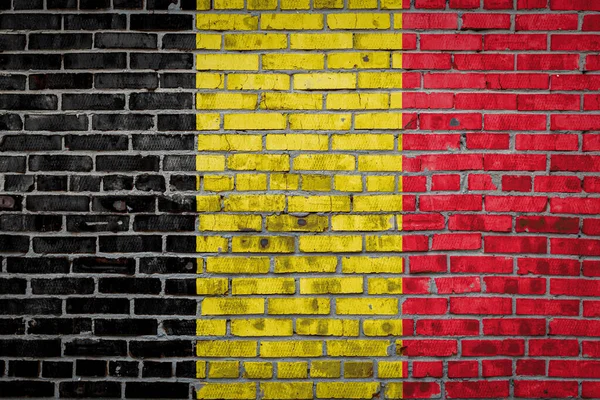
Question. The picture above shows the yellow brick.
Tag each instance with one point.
(208, 80)
(227, 62)
(259, 162)
(358, 369)
(383, 202)
(223, 369)
(242, 286)
(211, 327)
(378, 41)
(230, 223)
(229, 101)
(200, 369)
(258, 82)
(366, 306)
(226, 22)
(293, 370)
(227, 391)
(347, 390)
(211, 286)
(295, 4)
(385, 285)
(327, 327)
(228, 4)
(394, 390)
(324, 162)
(325, 80)
(284, 182)
(325, 369)
(258, 370)
(384, 163)
(297, 142)
(255, 41)
(382, 327)
(358, 21)
(234, 142)
(357, 348)
(261, 327)
(329, 4)
(262, 4)
(384, 120)
(313, 41)
(207, 122)
(318, 203)
(291, 223)
(331, 285)
(380, 80)
(287, 265)
(202, 4)
(293, 61)
(367, 265)
(262, 244)
(396, 100)
(208, 203)
(362, 4)
(287, 390)
(232, 306)
(325, 244)
(348, 183)
(362, 222)
(237, 265)
(247, 182)
(388, 243)
(381, 183)
(288, 22)
(357, 101)
(367, 141)
(226, 348)
(256, 202)
(291, 101)
(320, 122)
(256, 121)
(372, 60)
(208, 42)
(301, 305)
(218, 183)
(289, 348)
(390, 369)
(392, 4)
(316, 183)
(398, 23)
(210, 163)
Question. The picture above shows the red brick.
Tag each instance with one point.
(477, 389)
(574, 163)
(575, 205)
(577, 247)
(575, 327)
(428, 264)
(531, 367)
(481, 305)
(575, 42)
(414, 183)
(496, 367)
(574, 287)
(431, 4)
(591, 268)
(548, 266)
(591, 23)
(498, 4)
(494, 141)
(423, 222)
(531, 4)
(481, 264)
(590, 390)
(516, 183)
(515, 203)
(481, 182)
(454, 81)
(427, 61)
(591, 102)
(547, 307)
(591, 142)
(517, 81)
(456, 241)
(427, 369)
(546, 389)
(575, 82)
(548, 62)
(497, 347)
(592, 62)
(543, 102)
(484, 62)
(411, 285)
(544, 224)
(464, 4)
(514, 162)
(547, 142)
(574, 369)
(553, 347)
(415, 243)
(451, 162)
(430, 141)
(514, 285)
(420, 390)
(481, 21)
(433, 41)
(433, 101)
(450, 121)
(447, 327)
(463, 369)
(591, 309)
(515, 244)
(512, 41)
(514, 122)
(459, 284)
(451, 202)
(424, 306)
(429, 348)
(429, 21)
(488, 101)
(591, 227)
(579, 5)
(558, 184)
(546, 22)
(514, 327)
(482, 223)
(445, 182)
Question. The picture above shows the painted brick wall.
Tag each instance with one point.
(297, 199)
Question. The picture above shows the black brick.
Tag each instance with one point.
(12, 82)
(182, 182)
(127, 163)
(11, 203)
(97, 142)
(43, 265)
(90, 347)
(58, 203)
(90, 389)
(125, 80)
(93, 101)
(57, 369)
(154, 369)
(12, 42)
(94, 60)
(177, 204)
(26, 389)
(129, 285)
(179, 122)
(126, 41)
(165, 307)
(67, 244)
(122, 122)
(123, 368)
(30, 61)
(30, 22)
(164, 223)
(51, 183)
(63, 286)
(61, 4)
(12, 326)
(95, 368)
(161, 101)
(117, 182)
(97, 223)
(93, 4)
(86, 305)
(12, 286)
(30, 142)
(179, 163)
(181, 287)
(19, 183)
(179, 41)
(60, 81)
(185, 369)
(155, 390)
(149, 183)
(100, 265)
(94, 22)
(23, 369)
(160, 22)
(14, 244)
(60, 163)
(85, 183)
(30, 348)
(161, 61)
(163, 348)
(125, 327)
(28, 102)
(124, 204)
(59, 326)
(168, 265)
(181, 244)
(180, 327)
(28, 4)
(130, 244)
(10, 122)
(56, 123)
(175, 80)
(62, 41)
(30, 223)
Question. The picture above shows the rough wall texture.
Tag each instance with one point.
(299, 199)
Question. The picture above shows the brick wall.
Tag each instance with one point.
(299, 199)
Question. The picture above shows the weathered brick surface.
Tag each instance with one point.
(294, 199)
